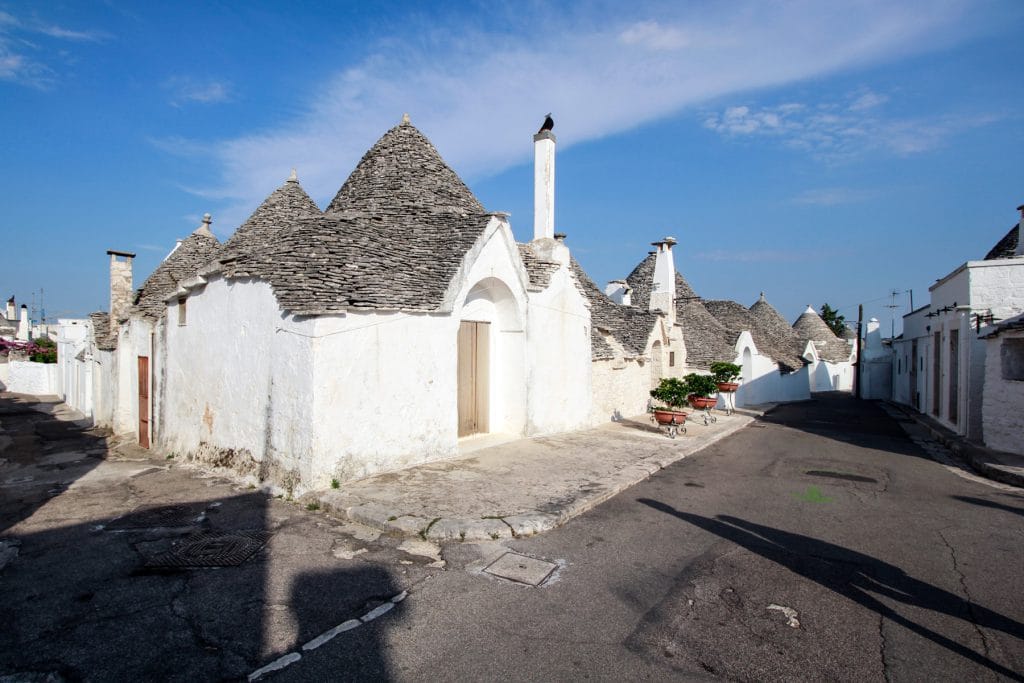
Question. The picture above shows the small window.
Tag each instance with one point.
(181, 310)
(671, 359)
(1011, 356)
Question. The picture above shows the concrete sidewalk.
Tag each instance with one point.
(521, 487)
(1007, 468)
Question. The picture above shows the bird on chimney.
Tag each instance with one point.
(549, 123)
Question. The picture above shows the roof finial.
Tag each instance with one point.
(405, 118)
(294, 177)
(762, 296)
(204, 227)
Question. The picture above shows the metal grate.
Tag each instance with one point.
(164, 517)
(212, 549)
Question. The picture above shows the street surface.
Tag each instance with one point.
(818, 543)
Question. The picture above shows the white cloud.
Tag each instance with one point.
(836, 132)
(479, 98)
(23, 61)
(187, 89)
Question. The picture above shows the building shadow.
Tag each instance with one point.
(989, 504)
(193, 590)
(856, 576)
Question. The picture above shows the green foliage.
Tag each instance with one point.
(335, 484)
(314, 506)
(700, 385)
(671, 391)
(725, 372)
(45, 343)
(836, 322)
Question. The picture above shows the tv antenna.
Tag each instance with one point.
(892, 306)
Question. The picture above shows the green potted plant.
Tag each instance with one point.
(671, 392)
(699, 389)
(725, 375)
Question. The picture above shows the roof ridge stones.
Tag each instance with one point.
(629, 325)
(736, 317)
(194, 252)
(1006, 247)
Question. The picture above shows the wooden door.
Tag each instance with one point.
(474, 384)
(914, 398)
(954, 375)
(144, 401)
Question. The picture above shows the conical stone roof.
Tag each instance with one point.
(1005, 247)
(194, 252)
(736, 318)
(393, 237)
(810, 327)
(629, 325)
(277, 213)
(403, 173)
(706, 339)
(776, 327)
(642, 280)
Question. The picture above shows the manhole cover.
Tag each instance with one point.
(212, 549)
(165, 517)
(841, 475)
(521, 569)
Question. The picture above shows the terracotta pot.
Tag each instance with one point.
(703, 402)
(665, 417)
(728, 386)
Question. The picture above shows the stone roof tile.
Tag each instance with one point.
(736, 318)
(629, 325)
(810, 327)
(194, 252)
(1005, 247)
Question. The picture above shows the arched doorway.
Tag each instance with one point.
(657, 366)
(491, 361)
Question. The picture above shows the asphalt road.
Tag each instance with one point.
(820, 543)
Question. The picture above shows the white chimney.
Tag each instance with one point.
(23, 328)
(11, 309)
(663, 287)
(120, 286)
(619, 292)
(544, 185)
(1019, 251)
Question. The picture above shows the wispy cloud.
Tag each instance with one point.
(185, 89)
(846, 129)
(23, 60)
(480, 96)
(832, 196)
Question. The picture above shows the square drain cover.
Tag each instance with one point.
(165, 517)
(212, 549)
(521, 569)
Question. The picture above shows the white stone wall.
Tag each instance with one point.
(826, 376)
(1003, 401)
(104, 381)
(74, 375)
(5, 373)
(26, 377)
(621, 388)
(761, 381)
(239, 383)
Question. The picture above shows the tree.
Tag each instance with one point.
(836, 322)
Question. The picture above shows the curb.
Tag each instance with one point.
(980, 459)
(523, 524)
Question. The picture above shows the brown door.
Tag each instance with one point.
(937, 373)
(144, 401)
(474, 359)
(954, 374)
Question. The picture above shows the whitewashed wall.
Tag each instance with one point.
(26, 377)
(239, 383)
(762, 382)
(104, 382)
(1003, 401)
(5, 373)
(74, 375)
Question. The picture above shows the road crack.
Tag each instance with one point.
(881, 647)
(966, 592)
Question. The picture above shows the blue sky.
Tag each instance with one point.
(816, 151)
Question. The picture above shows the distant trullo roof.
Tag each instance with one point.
(1005, 247)
(782, 335)
(735, 318)
(194, 252)
(810, 327)
(642, 279)
(629, 325)
(393, 237)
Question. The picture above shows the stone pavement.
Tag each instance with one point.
(522, 487)
(1007, 468)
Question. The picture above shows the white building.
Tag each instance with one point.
(378, 333)
(939, 364)
(830, 359)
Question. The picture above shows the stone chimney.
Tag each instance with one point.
(1019, 251)
(544, 185)
(23, 326)
(120, 286)
(11, 309)
(619, 292)
(663, 287)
